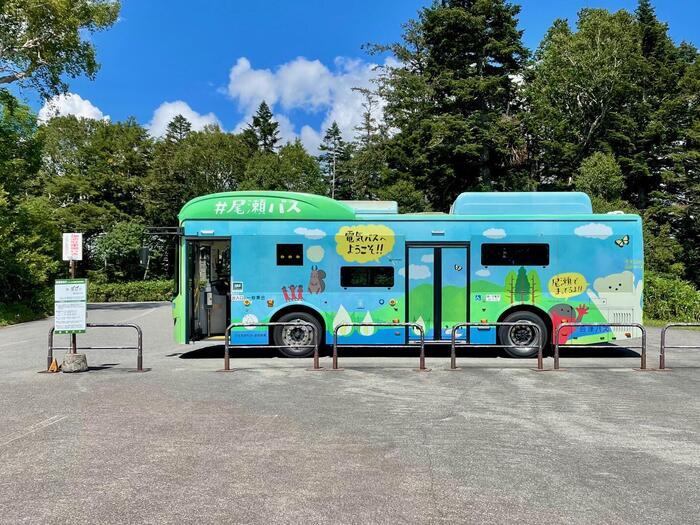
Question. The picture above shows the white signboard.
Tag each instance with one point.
(72, 246)
(70, 306)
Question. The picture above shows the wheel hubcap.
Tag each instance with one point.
(297, 336)
(522, 335)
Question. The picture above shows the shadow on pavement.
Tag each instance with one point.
(217, 352)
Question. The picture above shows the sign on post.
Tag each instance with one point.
(70, 306)
(72, 246)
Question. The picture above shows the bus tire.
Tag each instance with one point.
(520, 342)
(289, 337)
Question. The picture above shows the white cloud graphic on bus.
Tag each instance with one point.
(310, 234)
(483, 272)
(594, 230)
(416, 271)
(428, 258)
(495, 233)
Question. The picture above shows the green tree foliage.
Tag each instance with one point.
(292, 169)
(582, 91)
(118, 250)
(92, 171)
(263, 132)
(334, 161)
(29, 239)
(600, 175)
(187, 164)
(454, 101)
(42, 41)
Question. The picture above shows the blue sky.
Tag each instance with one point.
(214, 60)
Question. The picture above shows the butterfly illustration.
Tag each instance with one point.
(458, 267)
(623, 242)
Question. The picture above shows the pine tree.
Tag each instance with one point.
(653, 32)
(368, 164)
(334, 158)
(178, 129)
(453, 99)
(263, 130)
(522, 285)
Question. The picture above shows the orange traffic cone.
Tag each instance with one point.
(54, 366)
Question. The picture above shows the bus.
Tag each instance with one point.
(267, 256)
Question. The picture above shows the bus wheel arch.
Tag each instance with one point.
(284, 335)
(523, 312)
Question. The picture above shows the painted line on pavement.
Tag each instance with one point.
(31, 430)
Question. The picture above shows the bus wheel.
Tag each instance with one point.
(296, 341)
(521, 341)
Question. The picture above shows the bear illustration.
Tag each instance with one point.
(619, 299)
(316, 282)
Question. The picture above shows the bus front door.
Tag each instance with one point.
(438, 288)
(208, 288)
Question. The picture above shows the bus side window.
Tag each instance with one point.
(367, 276)
(514, 254)
(290, 255)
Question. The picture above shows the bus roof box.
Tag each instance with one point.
(522, 203)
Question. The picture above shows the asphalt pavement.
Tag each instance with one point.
(494, 442)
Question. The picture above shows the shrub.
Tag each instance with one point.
(600, 175)
(134, 291)
(669, 299)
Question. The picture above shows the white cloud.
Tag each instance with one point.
(169, 110)
(416, 271)
(495, 233)
(310, 234)
(251, 86)
(428, 258)
(483, 272)
(306, 85)
(310, 138)
(69, 104)
(594, 230)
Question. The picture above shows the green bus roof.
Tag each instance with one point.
(262, 205)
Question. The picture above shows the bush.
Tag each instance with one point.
(37, 307)
(134, 291)
(668, 299)
(600, 175)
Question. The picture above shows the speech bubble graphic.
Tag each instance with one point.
(565, 285)
(364, 243)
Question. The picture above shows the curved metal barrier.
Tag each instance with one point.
(138, 347)
(664, 346)
(468, 344)
(643, 347)
(421, 366)
(227, 341)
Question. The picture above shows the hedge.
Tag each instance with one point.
(668, 299)
(134, 291)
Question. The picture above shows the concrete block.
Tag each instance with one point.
(74, 363)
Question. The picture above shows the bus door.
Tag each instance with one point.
(208, 287)
(437, 285)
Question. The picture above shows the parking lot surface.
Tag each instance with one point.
(495, 442)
